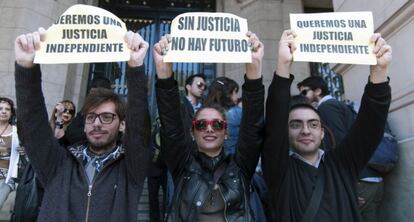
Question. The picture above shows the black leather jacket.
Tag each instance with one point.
(193, 171)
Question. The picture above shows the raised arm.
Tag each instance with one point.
(41, 146)
(137, 131)
(367, 131)
(174, 147)
(276, 141)
(250, 138)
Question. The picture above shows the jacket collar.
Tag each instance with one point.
(211, 163)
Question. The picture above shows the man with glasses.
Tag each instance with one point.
(102, 179)
(306, 183)
(192, 101)
(335, 115)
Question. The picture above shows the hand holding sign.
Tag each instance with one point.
(254, 69)
(164, 69)
(286, 48)
(25, 47)
(383, 53)
(138, 47)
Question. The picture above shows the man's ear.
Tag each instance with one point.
(122, 126)
(188, 87)
(318, 92)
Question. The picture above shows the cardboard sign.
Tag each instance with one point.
(209, 38)
(339, 37)
(84, 34)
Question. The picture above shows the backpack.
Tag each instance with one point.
(386, 155)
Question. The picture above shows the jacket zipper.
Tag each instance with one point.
(89, 194)
(225, 204)
(88, 203)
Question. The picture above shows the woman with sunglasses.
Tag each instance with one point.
(210, 185)
(61, 117)
(223, 92)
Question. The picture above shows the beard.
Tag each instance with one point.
(102, 145)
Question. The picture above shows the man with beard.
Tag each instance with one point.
(306, 183)
(102, 179)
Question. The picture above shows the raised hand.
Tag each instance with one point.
(164, 70)
(25, 47)
(383, 52)
(254, 69)
(286, 48)
(138, 47)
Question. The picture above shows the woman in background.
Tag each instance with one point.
(61, 117)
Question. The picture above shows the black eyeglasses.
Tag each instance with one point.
(312, 124)
(201, 85)
(216, 124)
(105, 118)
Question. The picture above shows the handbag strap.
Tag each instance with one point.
(315, 201)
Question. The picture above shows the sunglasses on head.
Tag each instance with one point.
(201, 85)
(216, 124)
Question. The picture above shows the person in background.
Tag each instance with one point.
(61, 117)
(9, 156)
(195, 85)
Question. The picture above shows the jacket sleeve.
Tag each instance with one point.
(175, 143)
(250, 140)
(276, 141)
(41, 146)
(364, 136)
(138, 129)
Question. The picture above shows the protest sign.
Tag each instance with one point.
(208, 38)
(83, 34)
(339, 37)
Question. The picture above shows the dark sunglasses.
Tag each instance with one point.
(201, 85)
(216, 124)
(69, 111)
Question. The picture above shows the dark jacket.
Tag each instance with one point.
(115, 191)
(187, 112)
(193, 171)
(291, 181)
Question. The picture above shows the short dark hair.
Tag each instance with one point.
(11, 104)
(99, 96)
(219, 92)
(315, 82)
(190, 80)
(305, 105)
(101, 82)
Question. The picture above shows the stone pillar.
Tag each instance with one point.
(268, 19)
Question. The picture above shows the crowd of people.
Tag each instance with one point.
(217, 157)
